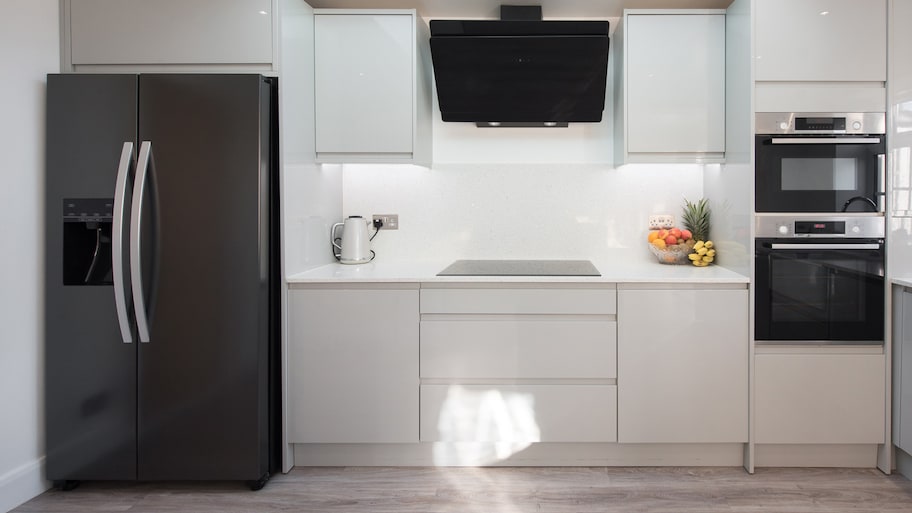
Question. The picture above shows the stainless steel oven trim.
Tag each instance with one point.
(773, 123)
(781, 226)
(848, 245)
(825, 140)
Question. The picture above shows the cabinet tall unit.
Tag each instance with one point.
(820, 55)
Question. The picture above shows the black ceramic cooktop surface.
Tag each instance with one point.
(520, 268)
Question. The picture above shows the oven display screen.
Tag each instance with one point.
(820, 123)
(825, 227)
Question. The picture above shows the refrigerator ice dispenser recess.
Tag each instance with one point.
(87, 241)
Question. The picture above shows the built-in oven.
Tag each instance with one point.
(819, 279)
(820, 162)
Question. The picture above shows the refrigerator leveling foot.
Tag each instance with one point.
(259, 483)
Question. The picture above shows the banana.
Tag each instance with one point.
(708, 244)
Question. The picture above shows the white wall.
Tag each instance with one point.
(730, 186)
(518, 193)
(312, 194)
(516, 210)
(29, 48)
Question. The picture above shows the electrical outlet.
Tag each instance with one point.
(390, 221)
(661, 221)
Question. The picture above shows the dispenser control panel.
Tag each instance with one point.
(82, 210)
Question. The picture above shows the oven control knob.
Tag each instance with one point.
(783, 229)
(784, 125)
(856, 125)
(856, 229)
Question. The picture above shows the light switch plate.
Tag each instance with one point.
(390, 221)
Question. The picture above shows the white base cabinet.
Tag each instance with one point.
(518, 363)
(352, 365)
(902, 368)
(819, 397)
(682, 366)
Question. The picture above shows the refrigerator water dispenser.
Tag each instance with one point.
(87, 241)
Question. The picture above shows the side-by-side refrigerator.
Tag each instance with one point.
(162, 278)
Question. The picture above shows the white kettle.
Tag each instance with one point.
(355, 241)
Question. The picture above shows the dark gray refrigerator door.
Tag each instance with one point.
(203, 388)
(90, 374)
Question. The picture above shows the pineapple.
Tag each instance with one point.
(696, 218)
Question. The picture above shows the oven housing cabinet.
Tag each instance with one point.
(820, 162)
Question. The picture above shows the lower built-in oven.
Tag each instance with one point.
(819, 279)
(823, 162)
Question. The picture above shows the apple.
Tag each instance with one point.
(676, 232)
(671, 240)
(685, 234)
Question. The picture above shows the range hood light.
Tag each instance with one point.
(550, 123)
(493, 123)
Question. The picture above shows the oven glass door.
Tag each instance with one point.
(802, 173)
(819, 290)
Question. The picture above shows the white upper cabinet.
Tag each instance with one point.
(369, 102)
(821, 40)
(673, 88)
(231, 34)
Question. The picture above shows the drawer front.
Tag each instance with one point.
(587, 301)
(519, 349)
(518, 413)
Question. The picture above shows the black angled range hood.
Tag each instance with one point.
(518, 71)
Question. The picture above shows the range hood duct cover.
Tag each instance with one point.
(520, 72)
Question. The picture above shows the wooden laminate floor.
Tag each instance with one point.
(505, 490)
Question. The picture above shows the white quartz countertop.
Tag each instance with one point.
(905, 281)
(613, 270)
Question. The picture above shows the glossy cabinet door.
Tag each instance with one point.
(674, 87)
(171, 32)
(902, 365)
(365, 85)
(682, 366)
(821, 40)
(899, 132)
(352, 365)
(818, 397)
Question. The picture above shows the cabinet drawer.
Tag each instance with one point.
(519, 301)
(519, 349)
(518, 413)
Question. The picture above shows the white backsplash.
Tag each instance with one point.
(573, 211)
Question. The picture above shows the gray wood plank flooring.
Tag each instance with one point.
(505, 490)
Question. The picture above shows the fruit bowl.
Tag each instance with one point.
(675, 254)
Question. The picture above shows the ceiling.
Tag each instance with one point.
(550, 8)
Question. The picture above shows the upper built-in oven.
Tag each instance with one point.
(820, 162)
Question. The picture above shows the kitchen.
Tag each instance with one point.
(497, 193)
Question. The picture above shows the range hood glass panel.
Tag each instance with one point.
(536, 78)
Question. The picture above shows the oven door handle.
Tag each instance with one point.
(872, 245)
(825, 140)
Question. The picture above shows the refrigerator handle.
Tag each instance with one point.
(139, 185)
(117, 268)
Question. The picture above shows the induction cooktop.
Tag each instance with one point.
(520, 268)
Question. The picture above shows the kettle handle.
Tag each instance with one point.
(332, 236)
